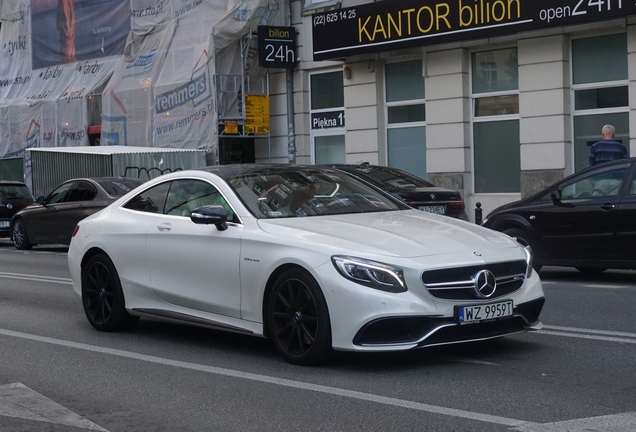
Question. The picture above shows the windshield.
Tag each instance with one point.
(307, 192)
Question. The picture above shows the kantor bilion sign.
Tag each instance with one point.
(394, 24)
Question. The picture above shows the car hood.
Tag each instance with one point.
(407, 233)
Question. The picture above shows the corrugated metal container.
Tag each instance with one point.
(48, 167)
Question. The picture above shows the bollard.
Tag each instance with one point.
(478, 214)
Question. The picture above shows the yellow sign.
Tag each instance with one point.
(257, 114)
(231, 128)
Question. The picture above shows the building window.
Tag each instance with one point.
(600, 91)
(327, 118)
(496, 144)
(406, 117)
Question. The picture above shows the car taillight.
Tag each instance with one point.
(75, 231)
(458, 205)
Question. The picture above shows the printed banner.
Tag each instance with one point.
(66, 31)
(128, 101)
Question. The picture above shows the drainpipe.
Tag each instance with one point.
(291, 125)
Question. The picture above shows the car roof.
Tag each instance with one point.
(230, 171)
(11, 183)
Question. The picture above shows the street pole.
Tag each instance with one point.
(291, 125)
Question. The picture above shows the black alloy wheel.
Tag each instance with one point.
(19, 236)
(298, 319)
(102, 296)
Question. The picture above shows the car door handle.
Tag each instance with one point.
(608, 206)
(164, 227)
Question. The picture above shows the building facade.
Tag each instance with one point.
(496, 98)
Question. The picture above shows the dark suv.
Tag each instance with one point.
(14, 196)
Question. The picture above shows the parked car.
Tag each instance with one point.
(414, 191)
(14, 196)
(586, 221)
(308, 256)
(51, 219)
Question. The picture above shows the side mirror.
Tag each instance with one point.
(40, 200)
(210, 215)
(556, 199)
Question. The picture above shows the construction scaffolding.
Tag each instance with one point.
(149, 73)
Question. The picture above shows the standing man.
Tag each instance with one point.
(607, 149)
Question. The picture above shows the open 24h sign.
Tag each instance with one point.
(277, 47)
(389, 25)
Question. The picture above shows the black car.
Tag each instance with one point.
(51, 219)
(586, 220)
(14, 196)
(413, 191)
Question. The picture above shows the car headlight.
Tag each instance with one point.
(529, 259)
(370, 273)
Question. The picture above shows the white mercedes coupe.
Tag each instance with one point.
(305, 255)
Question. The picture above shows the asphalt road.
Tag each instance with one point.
(58, 374)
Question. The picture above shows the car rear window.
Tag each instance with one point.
(119, 187)
(15, 192)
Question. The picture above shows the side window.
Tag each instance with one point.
(632, 187)
(151, 200)
(598, 184)
(187, 195)
(81, 191)
(57, 196)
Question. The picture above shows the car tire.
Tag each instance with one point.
(523, 238)
(19, 235)
(298, 319)
(102, 296)
(591, 270)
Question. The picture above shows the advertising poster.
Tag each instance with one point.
(66, 31)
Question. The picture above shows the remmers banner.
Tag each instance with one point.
(395, 24)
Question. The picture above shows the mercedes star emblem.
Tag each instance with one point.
(485, 284)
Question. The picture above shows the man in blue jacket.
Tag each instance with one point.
(607, 149)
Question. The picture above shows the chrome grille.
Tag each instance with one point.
(457, 283)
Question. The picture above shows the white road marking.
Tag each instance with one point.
(273, 380)
(19, 401)
(601, 335)
(591, 331)
(51, 279)
(595, 286)
(617, 423)
(606, 286)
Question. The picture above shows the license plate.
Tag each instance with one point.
(433, 209)
(469, 314)
(4, 224)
